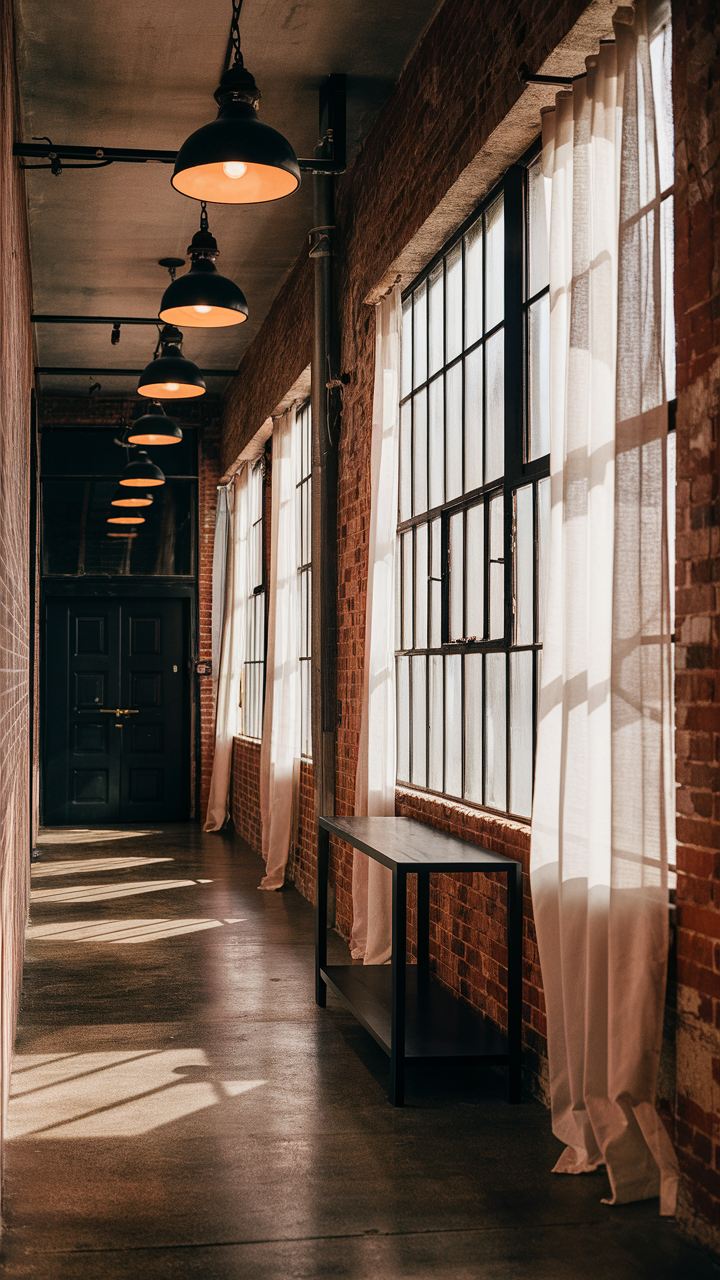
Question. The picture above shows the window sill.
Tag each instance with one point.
(464, 820)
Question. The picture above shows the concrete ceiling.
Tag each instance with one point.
(141, 74)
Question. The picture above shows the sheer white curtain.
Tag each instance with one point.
(602, 826)
(376, 769)
(232, 653)
(280, 751)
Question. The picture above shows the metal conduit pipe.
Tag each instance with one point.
(325, 430)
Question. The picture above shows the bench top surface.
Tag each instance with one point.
(408, 843)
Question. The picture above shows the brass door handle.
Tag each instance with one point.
(118, 711)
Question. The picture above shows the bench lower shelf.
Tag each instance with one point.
(437, 1024)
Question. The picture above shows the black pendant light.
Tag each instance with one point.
(155, 428)
(203, 298)
(237, 159)
(142, 473)
(124, 497)
(126, 519)
(170, 376)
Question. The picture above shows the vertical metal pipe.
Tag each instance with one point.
(324, 500)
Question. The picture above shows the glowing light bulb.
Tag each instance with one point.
(234, 168)
(172, 386)
(201, 310)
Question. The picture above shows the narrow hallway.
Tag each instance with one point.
(181, 1108)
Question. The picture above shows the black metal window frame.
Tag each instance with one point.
(521, 475)
(303, 507)
(253, 681)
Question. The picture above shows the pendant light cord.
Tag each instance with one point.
(235, 56)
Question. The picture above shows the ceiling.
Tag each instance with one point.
(142, 75)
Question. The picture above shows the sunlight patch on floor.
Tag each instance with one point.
(88, 835)
(115, 1094)
(91, 864)
(117, 931)
(102, 892)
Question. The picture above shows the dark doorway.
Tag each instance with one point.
(116, 703)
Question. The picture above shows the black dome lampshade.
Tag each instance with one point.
(203, 298)
(236, 159)
(142, 473)
(169, 376)
(124, 497)
(155, 428)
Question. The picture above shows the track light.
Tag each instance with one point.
(236, 159)
(203, 298)
(155, 428)
(142, 473)
(170, 376)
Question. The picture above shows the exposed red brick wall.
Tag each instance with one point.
(696, 90)
(245, 792)
(16, 372)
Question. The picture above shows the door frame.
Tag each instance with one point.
(124, 589)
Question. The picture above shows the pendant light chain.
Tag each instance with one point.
(235, 33)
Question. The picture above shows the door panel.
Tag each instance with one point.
(103, 658)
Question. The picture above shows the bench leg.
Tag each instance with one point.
(514, 995)
(321, 896)
(397, 1045)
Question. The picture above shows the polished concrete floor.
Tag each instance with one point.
(182, 1109)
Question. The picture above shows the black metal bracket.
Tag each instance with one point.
(525, 77)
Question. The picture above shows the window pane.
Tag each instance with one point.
(420, 335)
(453, 724)
(403, 719)
(457, 563)
(667, 252)
(436, 319)
(497, 571)
(420, 452)
(408, 567)
(435, 763)
(453, 432)
(436, 585)
(406, 349)
(494, 265)
(474, 420)
(406, 461)
(521, 735)
(495, 744)
(305, 746)
(475, 552)
(524, 566)
(436, 443)
(539, 377)
(495, 419)
(453, 295)
(473, 283)
(543, 501)
(419, 722)
(398, 594)
(421, 576)
(473, 727)
(538, 208)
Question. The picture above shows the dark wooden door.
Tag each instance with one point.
(116, 714)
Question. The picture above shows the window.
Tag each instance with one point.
(303, 490)
(253, 677)
(474, 504)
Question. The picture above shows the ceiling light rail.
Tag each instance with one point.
(133, 155)
(94, 372)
